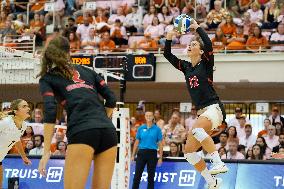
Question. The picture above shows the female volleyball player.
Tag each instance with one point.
(199, 77)
(12, 127)
(90, 132)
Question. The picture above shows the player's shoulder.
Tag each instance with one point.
(5, 121)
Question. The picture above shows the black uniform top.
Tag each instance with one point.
(199, 79)
(80, 97)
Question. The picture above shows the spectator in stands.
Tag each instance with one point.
(242, 149)
(37, 116)
(118, 33)
(174, 9)
(100, 21)
(133, 20)
(189, 122)
(235, 120)
(222, 152)
(249, 153)
(279, 128)
(27, 136)
(238, 40)
(37, 6)
(61, 147)
(155, 29)
(74, 42)
(215, 16)
(19, 24)
(264, 132)
(70, 9)
(232, 134)
(223, 141)
(257, 41)
(83, 30)
(174, 150)
(216, 132)
(21, 7)
(38, 144)
(118, 16)
(59, 136)
(244, 5)
(38, 29)
(271, 139)
(263, 3)
(167, 18)
(9, 42)
(233, 8)
(70, 27)
(8, 30)
(271, 14)
(275, 149)
(280, 18)
(29, 146)
(147, 42)
(174, 131)
(59, 7)
(246, 23)
(92, 41)
(275, 116)
(228, 27)
(219, 41)
(256, 14)
(249, 139)
(3, 18)
(202, 7)
(148, 18)
(158, 119)
(241, 127)
(257, 154)
(265, 149)
(233, 151)
(86, 14)
(106, 43)
(277, 38)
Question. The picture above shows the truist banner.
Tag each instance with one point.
(173, 175)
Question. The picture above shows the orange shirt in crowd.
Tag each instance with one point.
(262, 133)
(244, 2)
(219, 44)
(107, 45)
(237, 45)
(80, 19)
(38, 6)
(147, 44)
(101, 19)
(256, 42)
(229, 29)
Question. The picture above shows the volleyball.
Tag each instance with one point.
(182, 23)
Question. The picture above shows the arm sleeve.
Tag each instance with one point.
(177, 63)
(49, 101)
(105, 92)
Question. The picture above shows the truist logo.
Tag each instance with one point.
(193, 82)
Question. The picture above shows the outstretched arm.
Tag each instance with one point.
(168, 54)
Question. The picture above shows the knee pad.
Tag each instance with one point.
(193, 158)
(200, 134)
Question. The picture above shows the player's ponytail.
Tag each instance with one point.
(57, 55)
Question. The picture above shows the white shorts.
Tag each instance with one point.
(213, 113)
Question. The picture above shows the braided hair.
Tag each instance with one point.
(57, 55)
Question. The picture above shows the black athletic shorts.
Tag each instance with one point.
(100, 139)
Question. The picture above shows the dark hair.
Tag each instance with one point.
(260, 31)
(224, 133)
(25, 133)
(57, 145)
(247, 155)
(235, 135)
(71, 19)
(75, 36)
(224, 150)
(261, 154)
(268, 120)
(168, 13)
(41, 138)
(263, 148)
(241, 147)
(57, 54)
(178, 145)
(157, 19)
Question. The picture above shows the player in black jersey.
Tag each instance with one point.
(199, 78)
(90, 132)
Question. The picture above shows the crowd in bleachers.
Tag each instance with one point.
(233, 139)
(232, 24)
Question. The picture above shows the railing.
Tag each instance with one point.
(19, 42)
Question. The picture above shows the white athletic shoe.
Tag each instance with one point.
(218, 168)
(216, 184)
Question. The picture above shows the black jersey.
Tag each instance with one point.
(199, 79)
(80, 98)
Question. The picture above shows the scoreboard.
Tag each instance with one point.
(137, 67)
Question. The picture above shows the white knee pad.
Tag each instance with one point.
(200, 134)
(193, 158)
